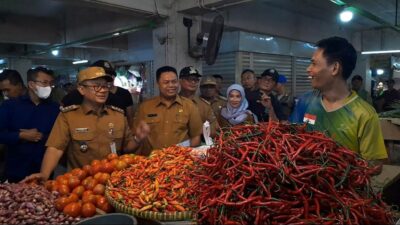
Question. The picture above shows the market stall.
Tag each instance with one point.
(267, 173)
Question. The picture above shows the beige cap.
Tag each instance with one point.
(208, 80)
(93, 73)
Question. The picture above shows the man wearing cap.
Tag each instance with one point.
(117, 96)
(25, 123)
(90, 130)
(208, 91)
(172, 119)
(189, 79)
(270, 108)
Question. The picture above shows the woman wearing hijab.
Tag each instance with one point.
(236, 111)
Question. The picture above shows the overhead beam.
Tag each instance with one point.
(155, 7)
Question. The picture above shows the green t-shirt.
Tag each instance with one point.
(354, 125)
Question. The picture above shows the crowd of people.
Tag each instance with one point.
(97, 118)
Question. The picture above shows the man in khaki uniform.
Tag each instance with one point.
(91, 130)
(172, 119)
(208, 91)
(189, 79)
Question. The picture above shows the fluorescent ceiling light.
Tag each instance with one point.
(55, 52)
(2, 61)
(346, 16)
(380, 71)
(80, 61)
(380, 52)
(116, 34)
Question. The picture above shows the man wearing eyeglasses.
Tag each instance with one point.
(25, 123)
(91, 130)
(189, 79)
(172, 119)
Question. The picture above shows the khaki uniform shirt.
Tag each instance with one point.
(169, 125)
(217, 104)
(87, 136)
(206, 113)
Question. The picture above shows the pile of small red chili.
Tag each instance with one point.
(273, 173)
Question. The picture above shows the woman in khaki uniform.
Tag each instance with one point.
(91, 130)
(235, 112)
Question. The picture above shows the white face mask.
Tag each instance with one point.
(43, 92)
(5, 95)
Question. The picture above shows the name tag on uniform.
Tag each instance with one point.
(82, 130)
(151, 115)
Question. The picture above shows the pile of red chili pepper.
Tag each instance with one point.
(160, 183)
(273, 173)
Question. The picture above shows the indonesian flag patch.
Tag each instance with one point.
(309, 118)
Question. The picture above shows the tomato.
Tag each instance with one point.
(73, 209)
(102, 204)
(87, 168)
(128, 159)
(91, 184)
(87, 192)
(121, 165)
(103, 178)
(80, 173)
(105, 206)
(88, 209)
(73, 182)
(108, 168)
(79, 190)
(86, 180)
(95, 162)
(112, 156)
(67, 175)
(99, 189)
(73, 197)
(49, 184)
(61, 203)
(95, 169)
(97, 176)
(89, 198)
(63, 189)
(103, 161)
(63, 180)
(114, 162)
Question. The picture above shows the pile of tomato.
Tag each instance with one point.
(82, 190)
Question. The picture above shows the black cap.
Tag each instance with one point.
(189, 71)
(271, 73)
(107, 66)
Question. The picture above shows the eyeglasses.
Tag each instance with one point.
(98, 88)
(45, 83)
(192, 79)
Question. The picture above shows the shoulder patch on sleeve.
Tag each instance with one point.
(222, 97)
(116, 109)
(208, 103)
(68, 108)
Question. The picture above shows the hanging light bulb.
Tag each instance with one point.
(346, 16)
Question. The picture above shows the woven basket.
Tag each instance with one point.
(170, 216)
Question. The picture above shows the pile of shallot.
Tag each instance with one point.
(23, 203)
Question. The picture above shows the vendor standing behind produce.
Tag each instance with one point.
(91, 130)
(25, 123)
(335, 109)
(172, 119)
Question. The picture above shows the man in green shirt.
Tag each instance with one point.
(333, 108)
